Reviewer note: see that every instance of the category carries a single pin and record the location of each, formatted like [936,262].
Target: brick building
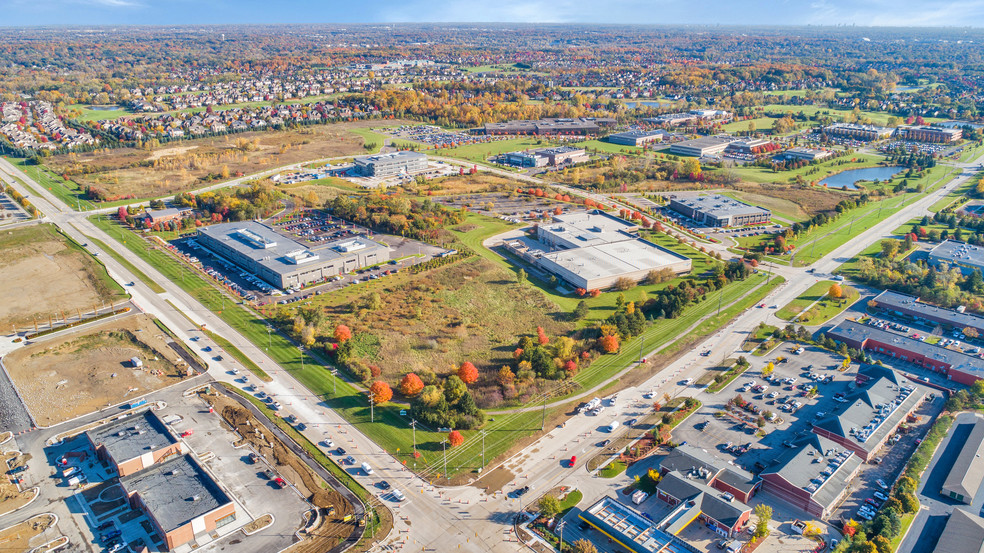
[134,443]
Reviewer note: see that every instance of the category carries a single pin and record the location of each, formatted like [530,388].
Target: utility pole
[334,382]
[483,448]
[543,416]
[372,406]
[413,425]
[720,298]
[561,528]
[444,446]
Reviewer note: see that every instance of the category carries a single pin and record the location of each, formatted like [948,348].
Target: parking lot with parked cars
[757,419]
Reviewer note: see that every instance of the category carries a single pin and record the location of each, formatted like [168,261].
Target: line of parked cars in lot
[869,508]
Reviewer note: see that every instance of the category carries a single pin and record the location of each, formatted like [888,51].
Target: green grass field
[608,147]
[762,124]
[809,173]
[89,114]
[65,190]
[826,308]
[480,152]
[129,266]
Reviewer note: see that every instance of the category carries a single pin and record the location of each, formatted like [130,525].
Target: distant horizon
[941,14]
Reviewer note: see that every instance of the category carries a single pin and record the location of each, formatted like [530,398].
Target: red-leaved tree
[455,438]
[411,385]
[381,392]
[541,336]
[467,372]
[343,333]
[608,344]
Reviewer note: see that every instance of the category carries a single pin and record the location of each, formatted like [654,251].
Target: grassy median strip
[157,288]
[239,356]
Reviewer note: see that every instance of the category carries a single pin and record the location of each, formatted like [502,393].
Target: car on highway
[340,451]
[630,422]
[207,349]
[383,485]
[328,444]
[522,491]
[398,495]
[349,460]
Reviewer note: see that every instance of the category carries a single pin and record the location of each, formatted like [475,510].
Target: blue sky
[774,12]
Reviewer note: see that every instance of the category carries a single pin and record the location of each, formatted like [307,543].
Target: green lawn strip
[89,114]
[906,520]
[907,227]
[157,288]
[971,152]
[480,152]
[729,376]
[370,137]
[239,356]
[608,147]
[570,501]
[813,294]
[762,124]
[67,191]
[957,193]
[613,469]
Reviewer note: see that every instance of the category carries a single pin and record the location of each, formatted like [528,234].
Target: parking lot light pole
[413,425]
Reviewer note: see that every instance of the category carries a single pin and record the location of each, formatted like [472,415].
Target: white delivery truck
[613,426]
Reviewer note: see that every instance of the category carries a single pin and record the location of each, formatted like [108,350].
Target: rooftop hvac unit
[121,433]
[175,472]
[196,498]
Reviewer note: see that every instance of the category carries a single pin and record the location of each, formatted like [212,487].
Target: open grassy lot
[480,152]
[608,147]
[815,306]
[186,165]
[88,114]
[69,192]
[810,173]
[472,310]
[761,124]
[46,274]
[78,373]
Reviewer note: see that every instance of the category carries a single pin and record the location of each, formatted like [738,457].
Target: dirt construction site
[68,376]
[46,275]
[331,528]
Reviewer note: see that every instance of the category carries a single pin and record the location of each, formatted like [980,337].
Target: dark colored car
[383,485]
[522,491]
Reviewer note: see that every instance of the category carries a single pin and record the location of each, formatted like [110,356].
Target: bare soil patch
[171,169]
[26,535]
[46,275]
[11,498]
[69,376]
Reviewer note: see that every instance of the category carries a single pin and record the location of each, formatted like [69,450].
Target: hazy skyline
[956,13]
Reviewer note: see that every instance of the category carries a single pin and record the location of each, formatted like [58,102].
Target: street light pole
[334,382]
[483,448]
[372,406]
[444,446]
[413,425]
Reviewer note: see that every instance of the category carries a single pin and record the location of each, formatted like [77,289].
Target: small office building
[695,500]
[133,443]
[180,499]
[637,138]
[967,473]
[715,210]
[935,135]
[903,305]
[388,165]
[807,154]
[813,475]
[864,133]
[631,529]
[963,533]
[700,147]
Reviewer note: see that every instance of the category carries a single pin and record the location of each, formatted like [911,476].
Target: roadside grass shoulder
[69,192]
[157,288]
[608,147]
[480,152]
[238,355]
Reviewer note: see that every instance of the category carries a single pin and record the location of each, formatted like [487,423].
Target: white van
[613,426]
[366,469]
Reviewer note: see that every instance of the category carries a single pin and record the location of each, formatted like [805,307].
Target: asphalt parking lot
[740,429]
